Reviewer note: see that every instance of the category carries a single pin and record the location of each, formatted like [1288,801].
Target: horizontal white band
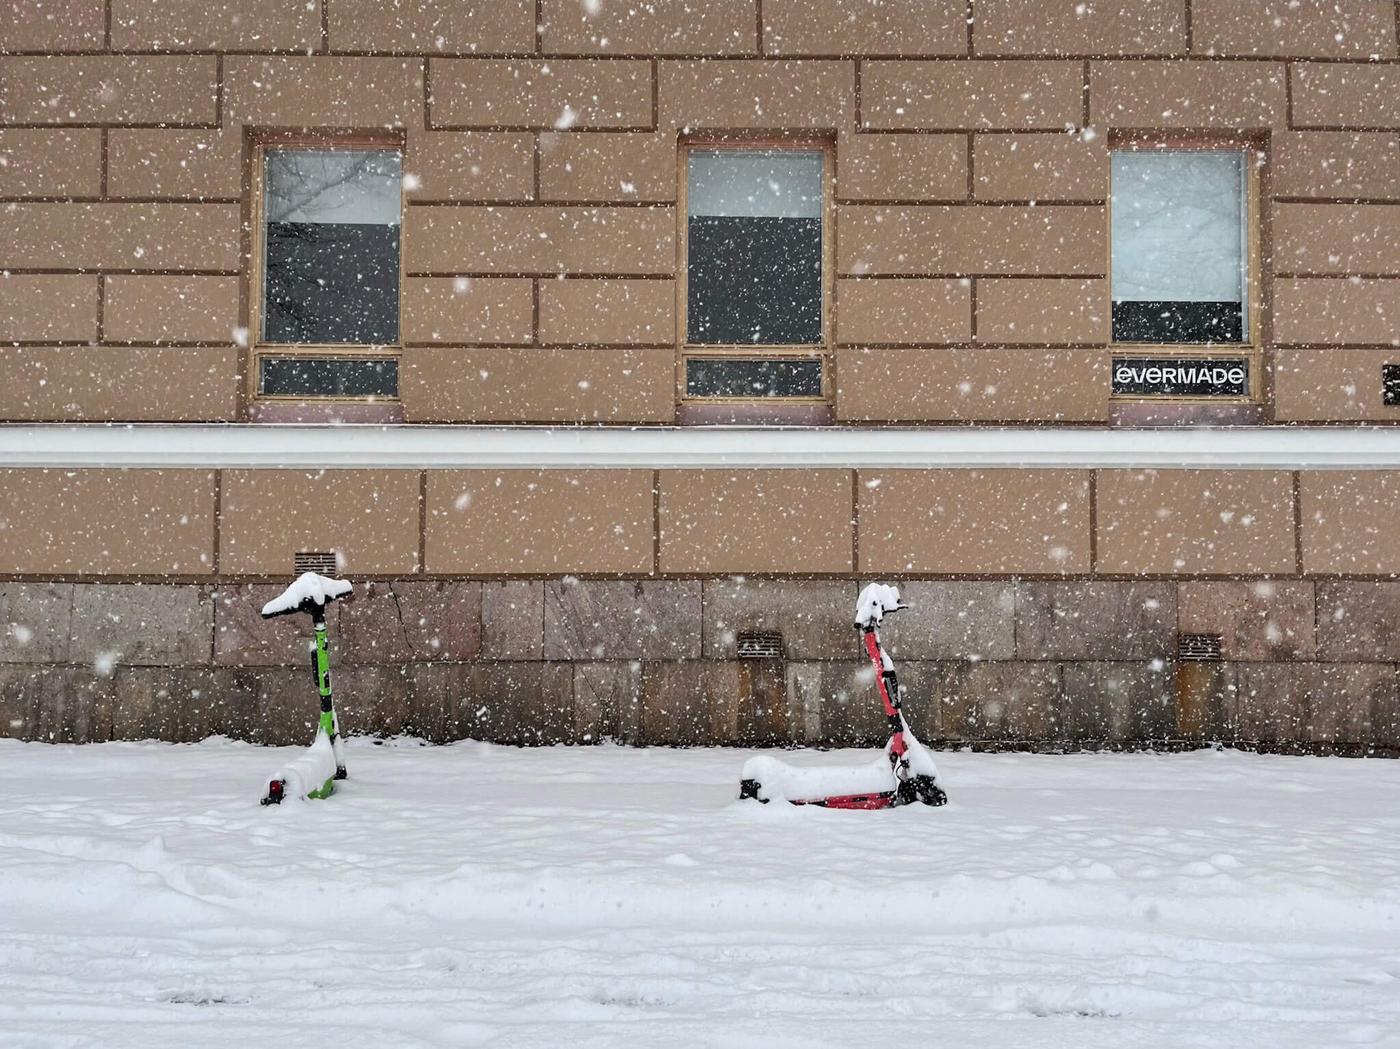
[148,445]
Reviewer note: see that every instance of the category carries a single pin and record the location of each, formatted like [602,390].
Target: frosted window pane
[742,184]
[1178,229]
[1179,246]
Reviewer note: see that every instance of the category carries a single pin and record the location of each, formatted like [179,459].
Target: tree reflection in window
[331,246]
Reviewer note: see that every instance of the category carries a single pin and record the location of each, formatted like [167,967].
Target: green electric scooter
[313,774]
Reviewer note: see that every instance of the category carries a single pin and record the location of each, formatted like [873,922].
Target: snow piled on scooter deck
[781,780]
[310,769]
[602,897]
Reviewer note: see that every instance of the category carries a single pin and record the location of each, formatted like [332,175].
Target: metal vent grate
[1198,648]
[322,562]
[760,644]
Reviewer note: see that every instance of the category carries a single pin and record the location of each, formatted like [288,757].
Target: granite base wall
[1308,665]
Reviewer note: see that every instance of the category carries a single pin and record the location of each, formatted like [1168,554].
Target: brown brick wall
[1078,524]
[544,148]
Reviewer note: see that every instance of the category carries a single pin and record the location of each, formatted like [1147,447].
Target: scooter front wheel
[927,790]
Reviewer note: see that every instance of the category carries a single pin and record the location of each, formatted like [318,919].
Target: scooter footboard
[776,780]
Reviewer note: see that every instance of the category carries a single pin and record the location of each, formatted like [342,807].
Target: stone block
[690,704]
[789,522]
[286,704]
[1257,621]
[1357,621]
[54,704]
[1348,517]
[1000,701]
[139,625]
[717,27]
[1043,310]
[1204,94]
[1346,94]
[1195,522]
[233,707]
[1324,239]
[512,620]
[497,93]
[176,704]
[953,620]
[373,700]
[435,691]
[412,620]
[1095,620]
[854,27]
[850,712]
[1064,27]
[607,701]
[813,616]
[922,685]
[36,622]
[522,703]
[1263,28]
[973,522]
[1349,703]
[1118,702]
[243,638]
[908,312]
[804,695]
[971,95]
[1271,701]
[598,619]
[1385,720]
[1316,703]
[836,704]
[527,704]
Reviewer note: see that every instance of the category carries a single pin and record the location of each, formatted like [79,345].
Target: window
[329,272]
[1180,246]
[755,273]
[748,377]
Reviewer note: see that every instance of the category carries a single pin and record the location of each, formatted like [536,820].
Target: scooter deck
[920,788]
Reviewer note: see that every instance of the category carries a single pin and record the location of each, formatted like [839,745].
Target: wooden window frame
[822,351]
[1252,346]
[327,141]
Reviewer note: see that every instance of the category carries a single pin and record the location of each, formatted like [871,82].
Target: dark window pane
[739,377]
[1179,246]
[754,247]
[331,247]
[328,377]
[1178,322]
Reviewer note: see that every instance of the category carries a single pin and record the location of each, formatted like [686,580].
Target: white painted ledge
[527,447]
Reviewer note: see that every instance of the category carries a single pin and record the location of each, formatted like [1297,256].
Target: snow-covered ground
[475,895]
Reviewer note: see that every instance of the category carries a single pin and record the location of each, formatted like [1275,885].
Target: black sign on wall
[1390,379]
[1180,377]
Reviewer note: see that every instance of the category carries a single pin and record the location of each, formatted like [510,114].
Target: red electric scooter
[904,774]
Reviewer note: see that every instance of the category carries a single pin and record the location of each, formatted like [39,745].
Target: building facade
[608,346]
